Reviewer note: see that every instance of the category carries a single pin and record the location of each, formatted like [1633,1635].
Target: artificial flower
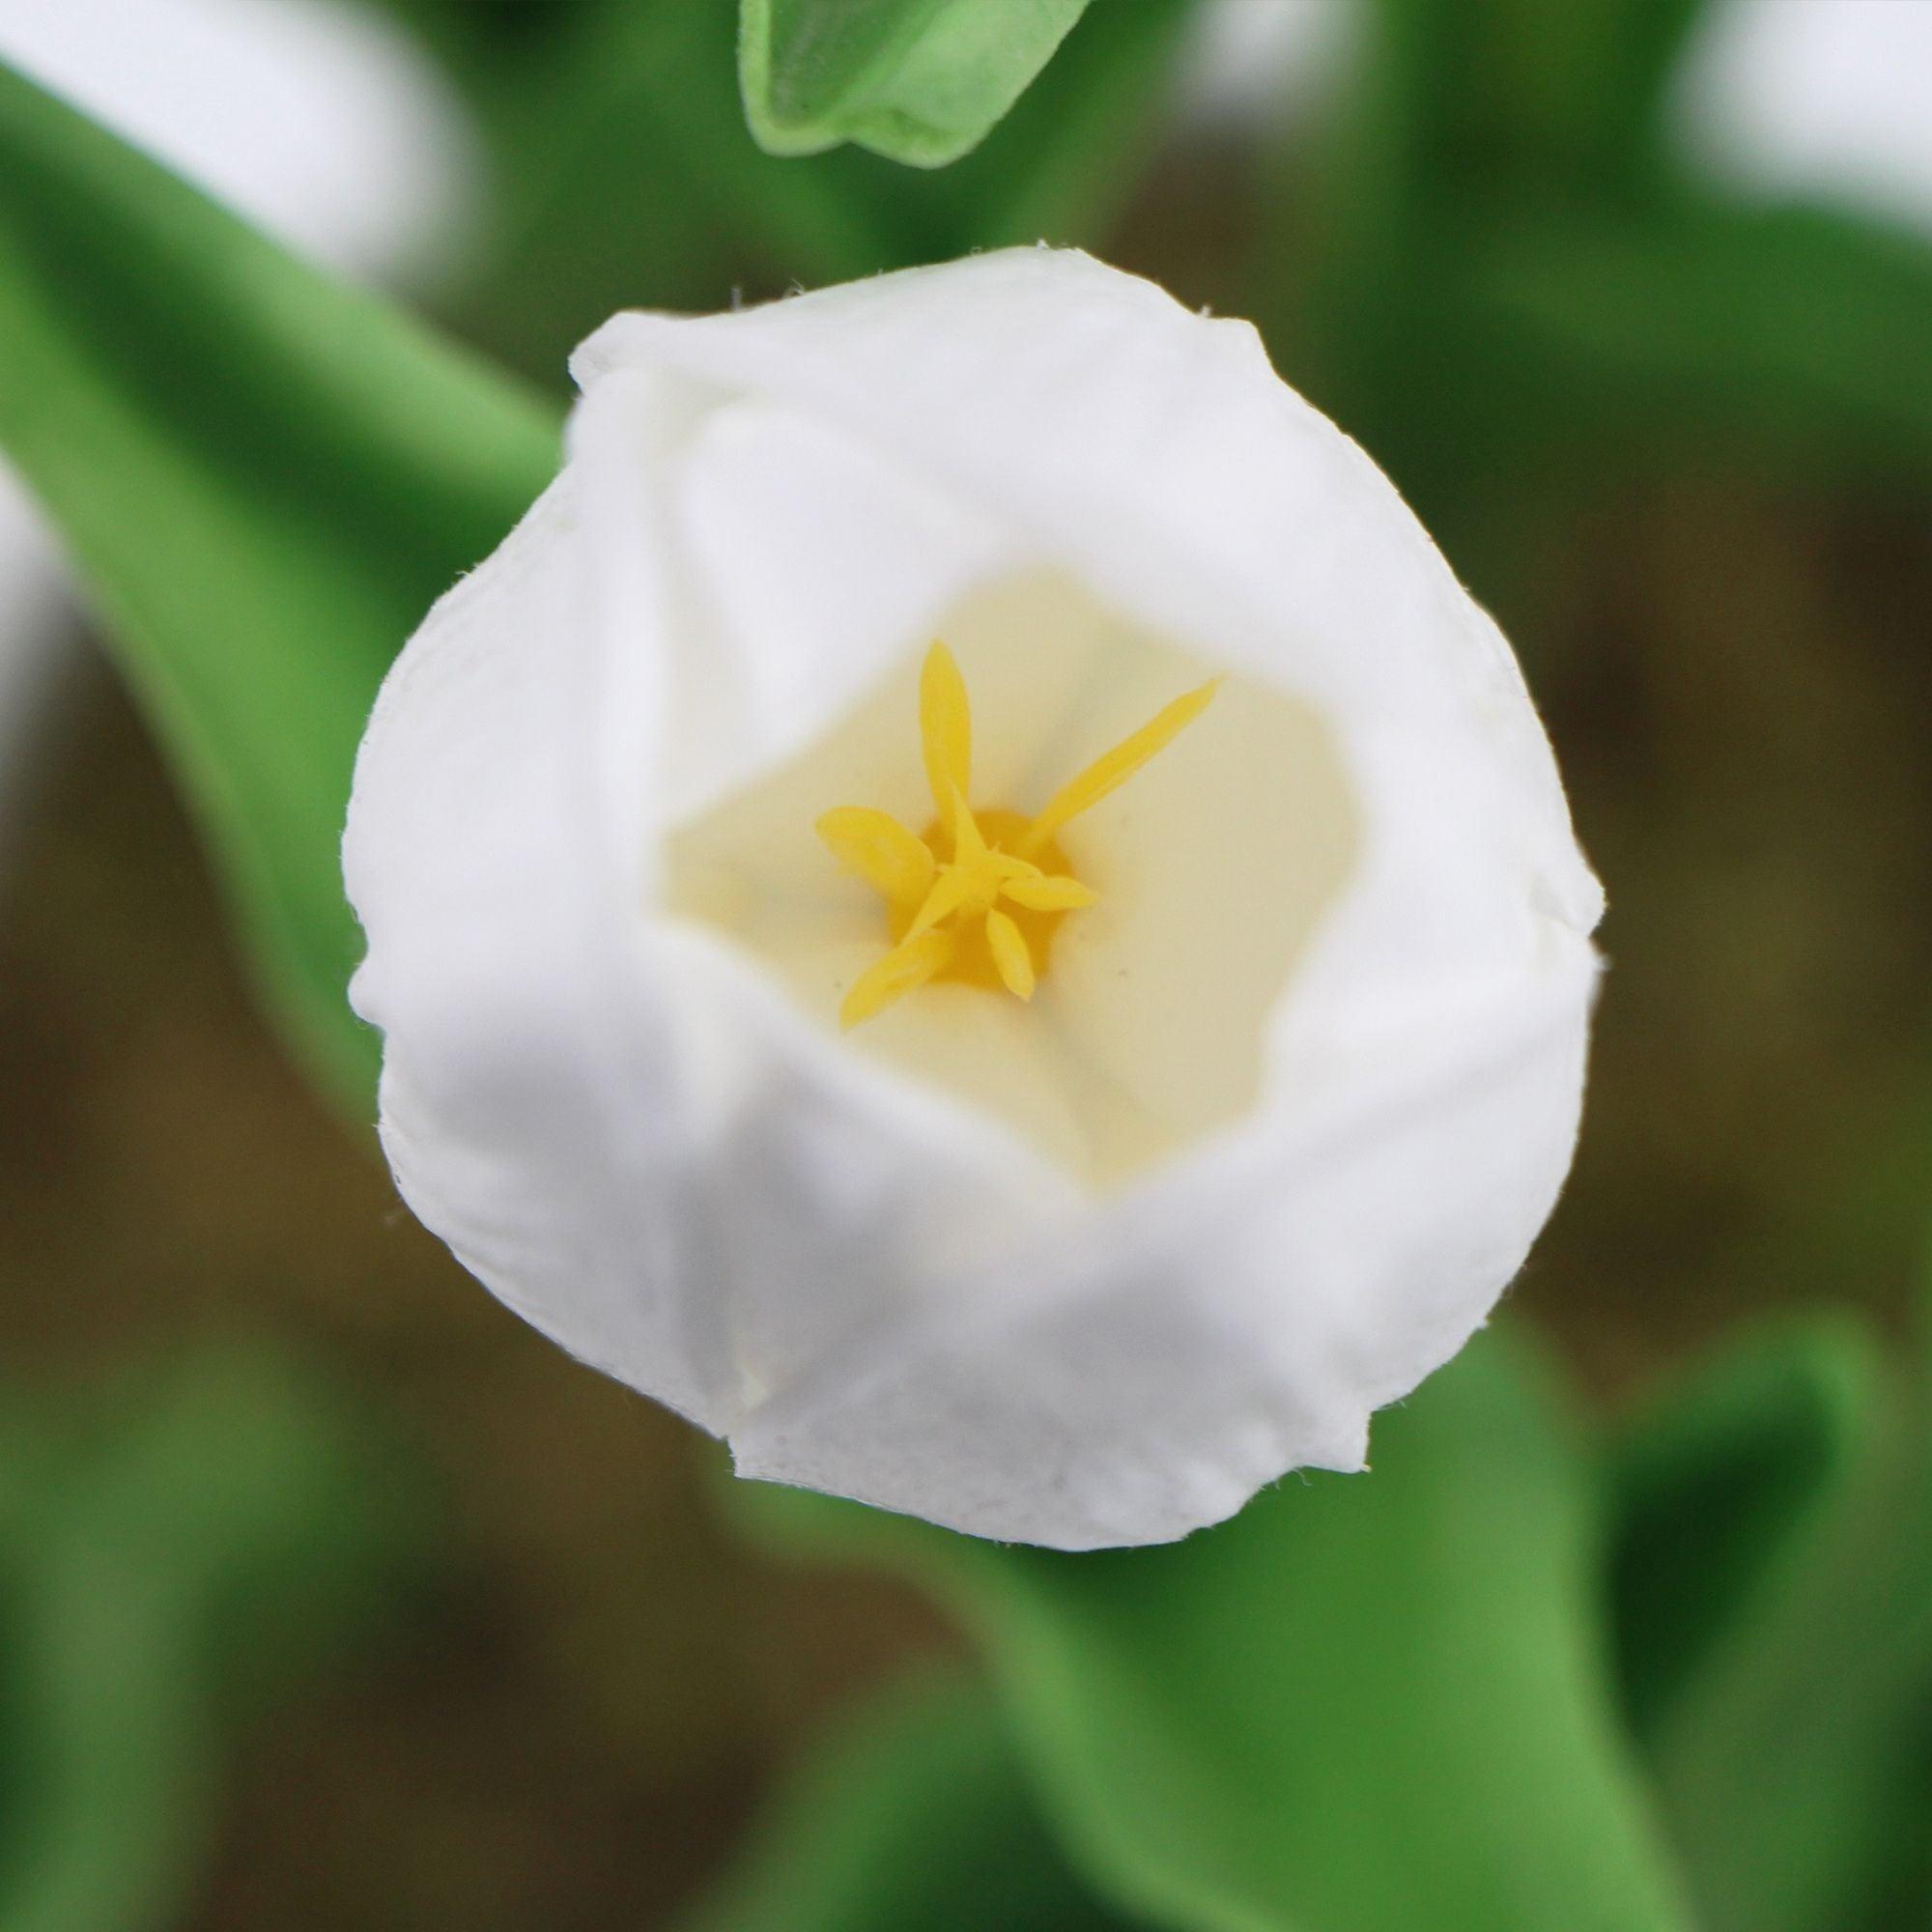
[1003,588]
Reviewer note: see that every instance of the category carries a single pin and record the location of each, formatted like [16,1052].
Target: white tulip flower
[1238,1055]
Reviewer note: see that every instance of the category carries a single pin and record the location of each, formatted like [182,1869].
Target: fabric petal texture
[1229,1131]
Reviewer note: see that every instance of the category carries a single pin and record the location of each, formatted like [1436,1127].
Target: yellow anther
[1113,769]
[955,885]
[910,963]
[876,846]
[986,913]
[1009,953]
[1044,895]
[946,732]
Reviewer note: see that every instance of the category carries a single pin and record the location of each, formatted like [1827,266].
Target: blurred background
[412,1621]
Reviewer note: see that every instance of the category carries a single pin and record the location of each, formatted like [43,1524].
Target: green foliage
[1379,1702]
[1368,1702]
[1716,1490]
[1494,271]
[1799,336]
[169,1564]
[628,179]
[920,81]
[915,1815]
[264,478]
[1470,87]
[1063,163]
[1774,1581]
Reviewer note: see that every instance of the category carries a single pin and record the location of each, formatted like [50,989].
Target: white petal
[530,1095]
[865,1276]
[616,1124]
[1238,1320]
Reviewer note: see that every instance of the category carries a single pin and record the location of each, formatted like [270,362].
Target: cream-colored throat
[1086,937]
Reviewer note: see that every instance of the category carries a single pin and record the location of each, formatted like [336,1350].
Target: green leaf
[1719,1488]
[1509,87]
[915,1815]
[1778,1547]
[1800,336]
[1367,1704]
[1063,163]
[263,479]
[626,179]
[618,134]
[1457,107]
[214,1534]
[920,81]
[1516,336]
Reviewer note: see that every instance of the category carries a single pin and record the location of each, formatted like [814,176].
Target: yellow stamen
[987,913]
[910,963]
[1009,953]
[955,887]
[968,842]
[945,730]
[1044,895]
[876,846]
[1113,769]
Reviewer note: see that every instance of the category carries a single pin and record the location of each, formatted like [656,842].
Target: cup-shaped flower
[968,903]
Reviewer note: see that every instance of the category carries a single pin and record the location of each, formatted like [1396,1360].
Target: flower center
[986,913]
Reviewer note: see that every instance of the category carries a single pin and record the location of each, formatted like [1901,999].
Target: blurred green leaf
[1367,1704]
[467,35]
[920,81]
[214,1534]
[1720,1489]
[1508,292]
[624,177]
[1072,150]
[1802,336]
[1454,89]
[1519,353]
[915,1815]
[264,478]
[1453,110]
[1776,1551]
